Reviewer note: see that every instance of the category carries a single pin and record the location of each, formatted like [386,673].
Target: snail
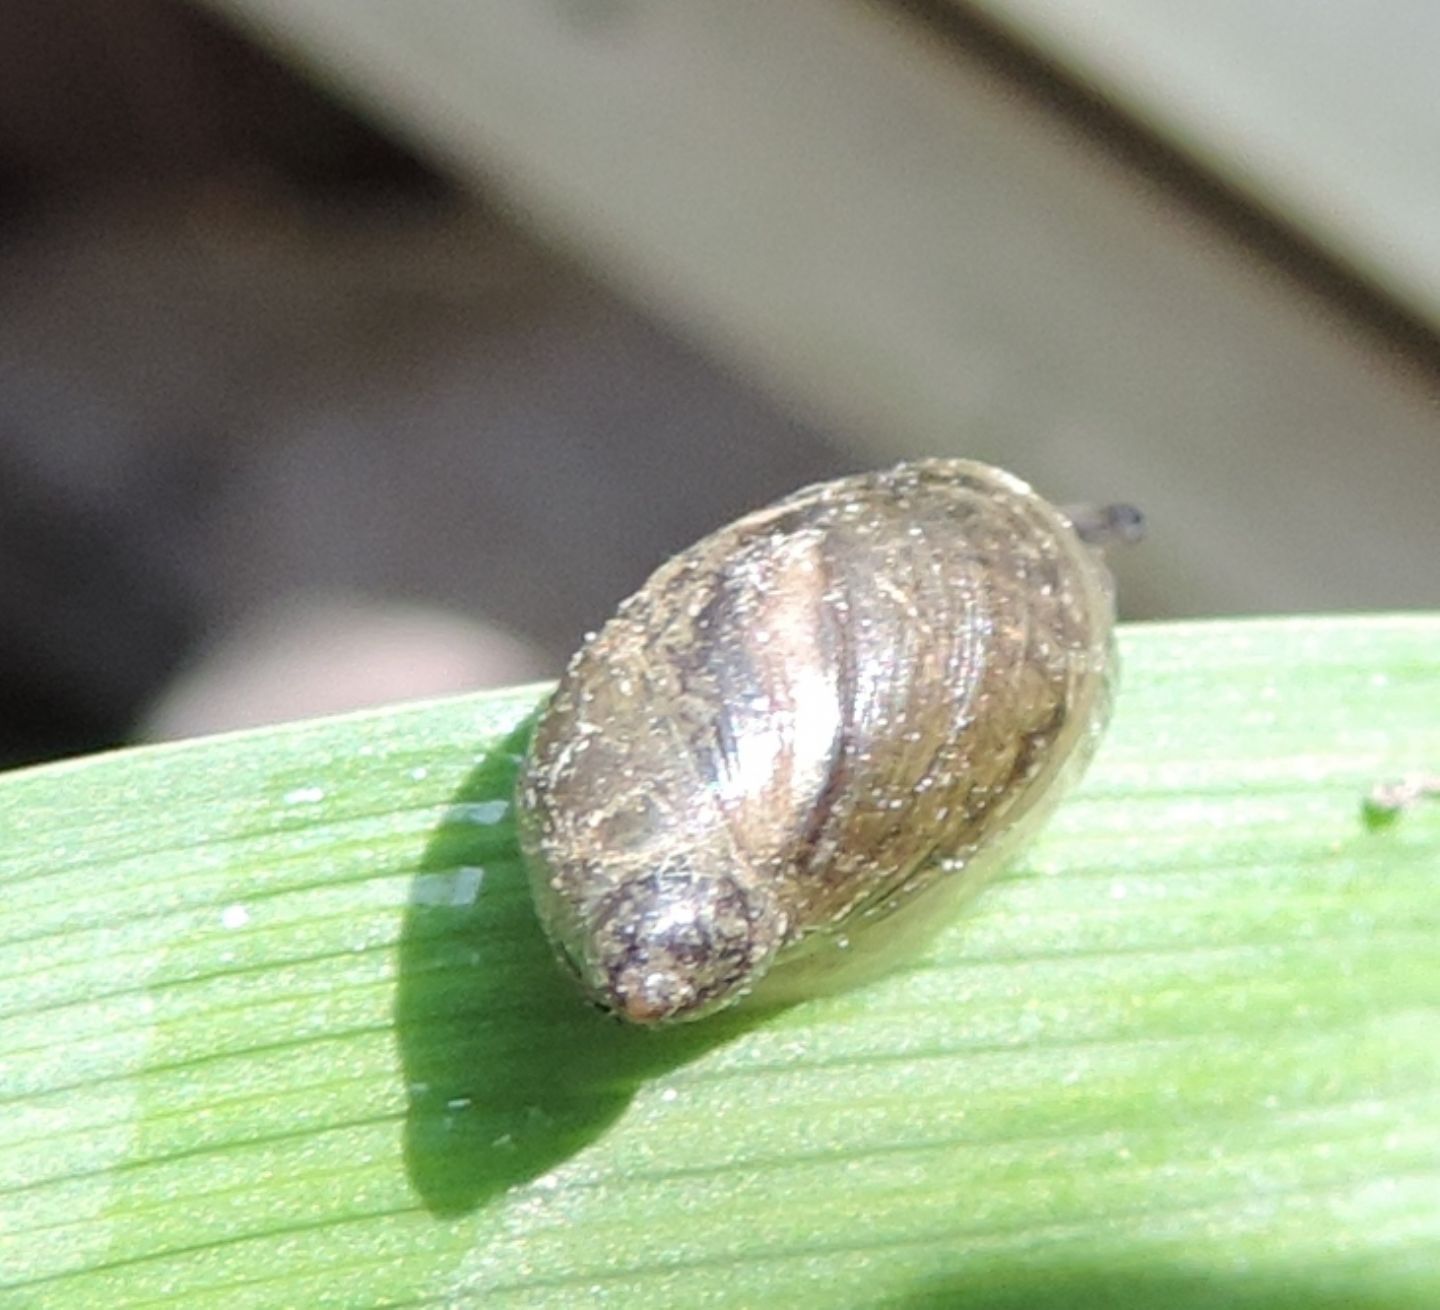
[806,732]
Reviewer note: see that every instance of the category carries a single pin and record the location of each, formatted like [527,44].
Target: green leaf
[278,1028]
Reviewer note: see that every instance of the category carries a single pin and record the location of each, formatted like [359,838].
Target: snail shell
[806,726]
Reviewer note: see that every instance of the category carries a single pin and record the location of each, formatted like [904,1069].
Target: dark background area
[292,420]
[252,350]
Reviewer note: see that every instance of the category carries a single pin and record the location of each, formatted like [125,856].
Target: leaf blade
[278,1028]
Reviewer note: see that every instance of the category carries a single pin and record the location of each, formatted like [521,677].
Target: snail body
[809,728]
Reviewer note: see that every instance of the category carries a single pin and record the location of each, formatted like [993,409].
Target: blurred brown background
[351,350]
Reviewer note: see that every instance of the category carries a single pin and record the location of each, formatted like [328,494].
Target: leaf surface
[278,1029]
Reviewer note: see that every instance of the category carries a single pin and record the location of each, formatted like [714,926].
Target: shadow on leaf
[508,1071]
[1040,1286]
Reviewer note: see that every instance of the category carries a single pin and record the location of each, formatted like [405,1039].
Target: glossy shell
[810,727]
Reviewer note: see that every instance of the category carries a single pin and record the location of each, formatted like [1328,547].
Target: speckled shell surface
[800,726]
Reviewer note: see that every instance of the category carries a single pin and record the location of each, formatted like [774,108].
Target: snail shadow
[508,1070]
[1037,1285]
